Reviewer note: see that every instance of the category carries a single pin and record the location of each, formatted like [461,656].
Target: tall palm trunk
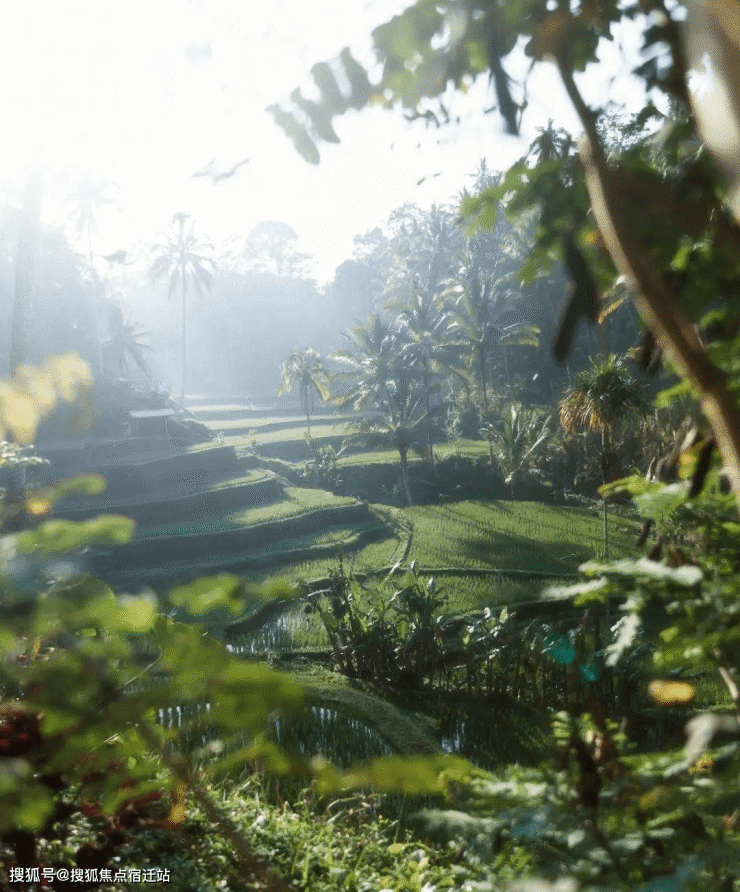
[184,335]
[403,452]
[97,298]
[304,400]
[24,268]
[605,447]
[428,408]
[484,391]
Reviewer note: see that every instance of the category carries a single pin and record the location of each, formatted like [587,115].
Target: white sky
[110,87]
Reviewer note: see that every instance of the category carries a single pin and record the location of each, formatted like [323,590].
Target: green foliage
[392,641]
[322,471]
[305,369]
[521,441]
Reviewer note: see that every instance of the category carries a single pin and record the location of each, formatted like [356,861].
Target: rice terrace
[370,447]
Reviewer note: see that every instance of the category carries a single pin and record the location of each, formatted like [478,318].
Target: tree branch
[660,310]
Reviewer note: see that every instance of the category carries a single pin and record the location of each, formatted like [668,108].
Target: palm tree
[90,195]
[601,399]
[520,441]
[426,345]
[395,417]
[551,142]
[384,385]
[184,259]
[125,340]
[485,311]
[372,347]
[305,369]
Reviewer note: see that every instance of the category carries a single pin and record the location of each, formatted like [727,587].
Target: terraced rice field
[297,501]
[512,536]
[481,553]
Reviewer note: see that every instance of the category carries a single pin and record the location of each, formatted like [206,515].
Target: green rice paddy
[296,501]
[482,553]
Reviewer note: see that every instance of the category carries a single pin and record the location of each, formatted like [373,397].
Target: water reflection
[491,736]
[290,630]
[326,730]
[332,732]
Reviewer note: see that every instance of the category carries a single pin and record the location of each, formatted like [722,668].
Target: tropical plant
[369,356]
[183,259]
[422,250]
[397,421]
[125,340]
[426,344]
[521,441]
[305,370]
[602,399]
[321,471]
[90,195]
[394,641]
[271,244]
[485,316]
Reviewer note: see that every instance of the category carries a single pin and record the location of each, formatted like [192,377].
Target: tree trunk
[405,476]
[304,400]
[656,304]
[24,270]
[184,336]
[605,448]
[482,362]
[429,429]
[97,299]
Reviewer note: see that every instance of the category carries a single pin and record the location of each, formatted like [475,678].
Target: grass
[297,501]
[512,536]
[287,421]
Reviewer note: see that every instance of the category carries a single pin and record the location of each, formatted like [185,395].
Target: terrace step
[195,506]
[136,476]
[167,571]
[226,545]
[241,425]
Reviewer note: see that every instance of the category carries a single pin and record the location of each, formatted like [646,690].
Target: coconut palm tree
[427,345]
[485,317]
[184,259]
[371,349]
[601,399]
[395,417]
[125,340]
[386,386]
[91,194]
[521,442]
[305,369]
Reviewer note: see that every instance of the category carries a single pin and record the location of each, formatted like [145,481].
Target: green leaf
[671,394]
[660,503]
[635,485]
[643,568]
[135,615]
[32,811]
[583,592]
[210,593]
[86,484]
[65,535]
[627,630]
[403,774]
[269,755]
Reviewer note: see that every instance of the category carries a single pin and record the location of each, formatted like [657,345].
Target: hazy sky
[148,93]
